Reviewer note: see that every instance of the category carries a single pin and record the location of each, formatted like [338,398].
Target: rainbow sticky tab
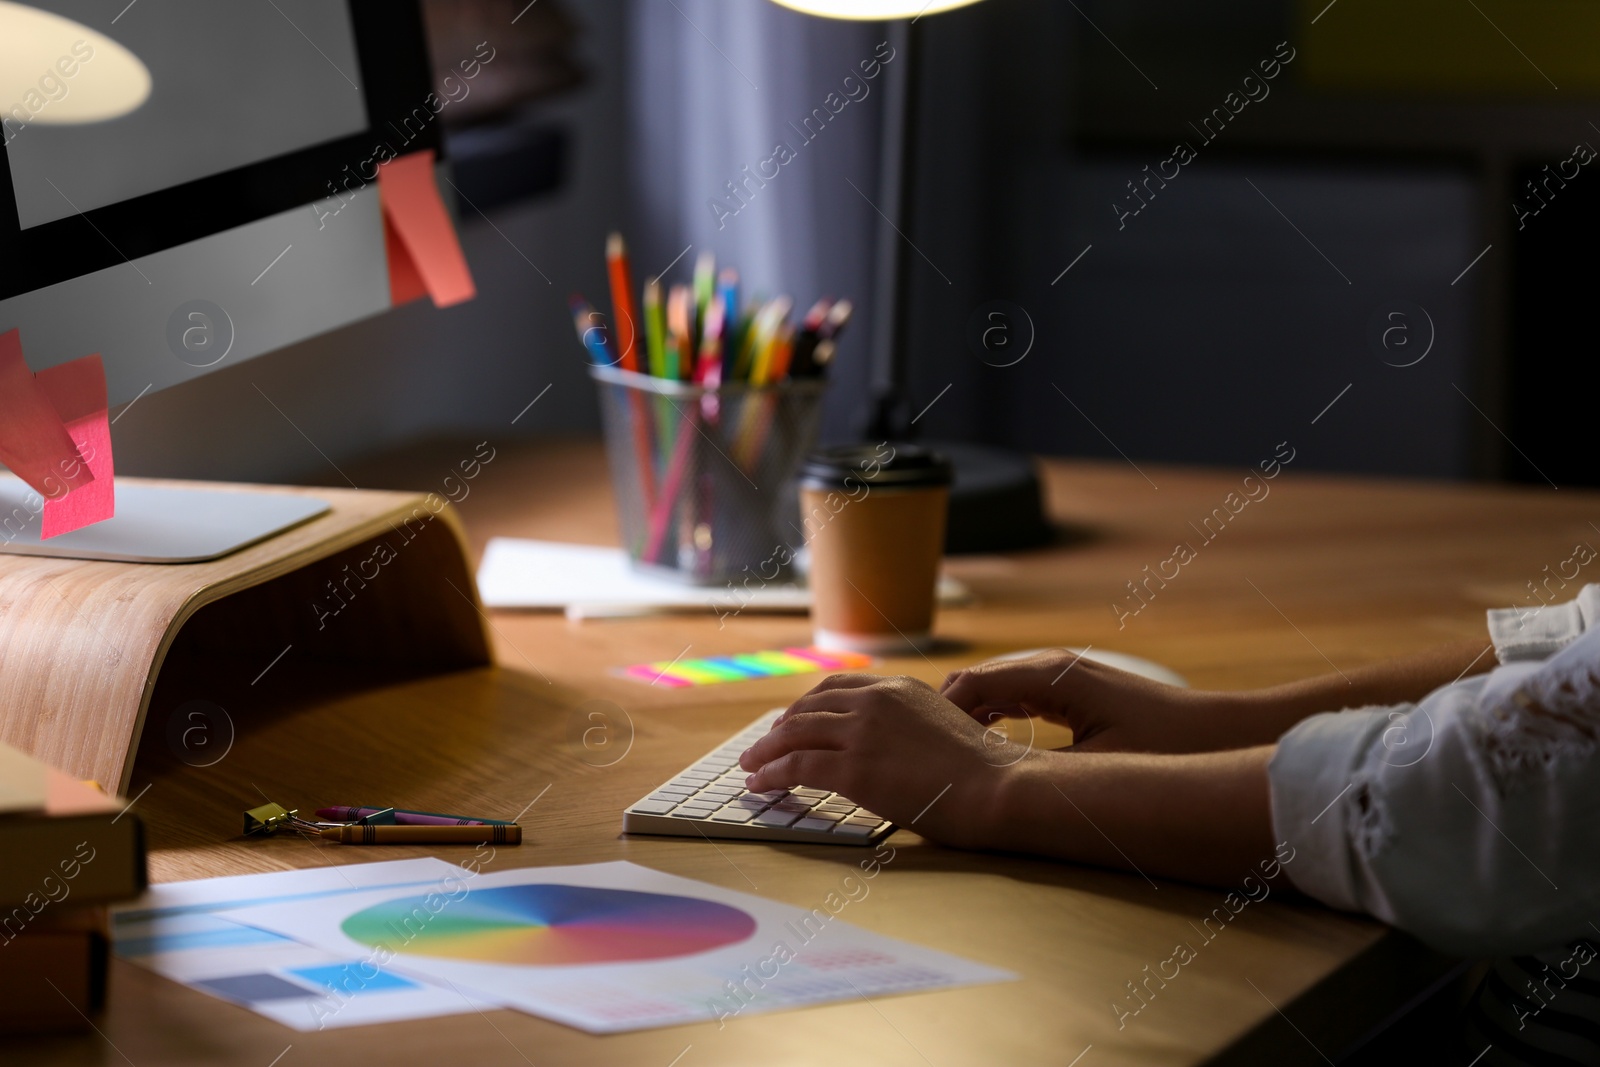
[778,663]
[832,661]
[713,670]
[734,664]
[675,675]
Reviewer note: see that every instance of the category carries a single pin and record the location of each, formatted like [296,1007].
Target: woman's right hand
[1108,710]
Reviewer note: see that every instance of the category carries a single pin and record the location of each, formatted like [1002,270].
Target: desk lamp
[996,500]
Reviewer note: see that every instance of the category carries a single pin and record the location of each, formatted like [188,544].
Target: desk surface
[1356,570]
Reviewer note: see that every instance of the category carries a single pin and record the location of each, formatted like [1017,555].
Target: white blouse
[1471,819]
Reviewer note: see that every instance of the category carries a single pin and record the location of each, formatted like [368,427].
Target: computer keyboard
[708,799]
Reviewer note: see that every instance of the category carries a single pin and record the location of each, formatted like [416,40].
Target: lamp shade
[55,71]
[873,10]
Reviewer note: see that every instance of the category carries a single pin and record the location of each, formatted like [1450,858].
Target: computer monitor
[185,185]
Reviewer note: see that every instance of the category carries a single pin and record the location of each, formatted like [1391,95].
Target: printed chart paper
[612,947]
[179,931]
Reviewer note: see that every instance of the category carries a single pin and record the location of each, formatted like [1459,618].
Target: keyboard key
[777,817]
[654,807]
[712,791]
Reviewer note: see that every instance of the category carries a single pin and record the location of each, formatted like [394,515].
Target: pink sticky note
[77,391]
[405,284]
[34,442]
[426,247]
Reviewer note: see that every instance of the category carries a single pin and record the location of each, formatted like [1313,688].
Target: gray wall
[1206,329]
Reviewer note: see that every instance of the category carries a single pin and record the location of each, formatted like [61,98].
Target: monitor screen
[173,162]
[230,85]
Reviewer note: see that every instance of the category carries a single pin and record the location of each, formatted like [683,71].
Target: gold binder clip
[269,818]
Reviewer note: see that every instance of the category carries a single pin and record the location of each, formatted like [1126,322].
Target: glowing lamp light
[873,10]
[58,72]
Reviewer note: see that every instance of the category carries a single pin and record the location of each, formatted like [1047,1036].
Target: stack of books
[66,851]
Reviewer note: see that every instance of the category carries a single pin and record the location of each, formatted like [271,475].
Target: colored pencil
[406,818]
[782,354]
[661,512]
[805,343]
[728,287]
[708,367]
[622,301]
[743,350]
[655,327]
[424,835]
[680,328]
[773,316]
[591,326]
[705,283]
[627,344]
[708,375]
[838,318]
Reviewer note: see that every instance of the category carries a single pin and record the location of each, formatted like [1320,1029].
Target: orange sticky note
[424,252]
[405,284]
[34,441]
[77,391]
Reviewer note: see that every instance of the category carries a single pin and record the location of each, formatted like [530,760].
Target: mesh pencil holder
[704,478]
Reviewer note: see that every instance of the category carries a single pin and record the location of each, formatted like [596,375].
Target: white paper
[587,579]
[178,930]
[734,954]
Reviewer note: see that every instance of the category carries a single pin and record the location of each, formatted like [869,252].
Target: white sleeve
[1471,820]
[1539,631]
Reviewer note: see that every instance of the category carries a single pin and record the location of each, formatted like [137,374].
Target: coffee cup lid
[887,464]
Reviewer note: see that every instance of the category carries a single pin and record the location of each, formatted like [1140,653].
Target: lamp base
[996,501]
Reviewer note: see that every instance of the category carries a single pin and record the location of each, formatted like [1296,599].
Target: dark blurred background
[1352,261]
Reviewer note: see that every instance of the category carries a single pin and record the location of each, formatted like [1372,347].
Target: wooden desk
[1363,569]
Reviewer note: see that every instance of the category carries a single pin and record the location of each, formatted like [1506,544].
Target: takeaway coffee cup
[874,516]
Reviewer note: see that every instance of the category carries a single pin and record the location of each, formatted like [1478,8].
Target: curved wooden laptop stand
[383,578]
